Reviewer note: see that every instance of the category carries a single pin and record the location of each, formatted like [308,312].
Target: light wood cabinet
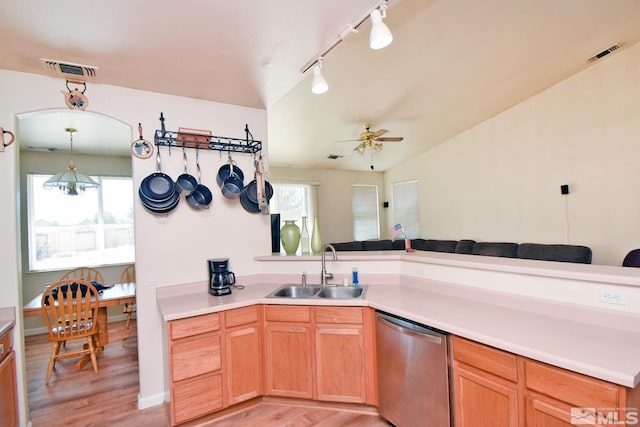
[243,354]
[8,385]
[195,367]
[485,386]
[496,388]
[323,353]
[289,357]
[340,354]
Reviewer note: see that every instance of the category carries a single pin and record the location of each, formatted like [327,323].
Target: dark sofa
[536,251]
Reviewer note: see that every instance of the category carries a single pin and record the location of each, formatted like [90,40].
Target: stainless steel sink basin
[314,291]
[340,292]
[295,291]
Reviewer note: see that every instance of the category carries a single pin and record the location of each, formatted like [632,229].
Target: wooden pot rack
[195,138]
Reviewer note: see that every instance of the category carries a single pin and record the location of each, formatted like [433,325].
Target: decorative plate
[142,149]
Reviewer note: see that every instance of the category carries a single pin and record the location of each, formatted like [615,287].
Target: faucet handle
[304,278]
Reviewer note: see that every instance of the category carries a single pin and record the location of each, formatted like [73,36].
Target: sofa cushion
[377,245]
[502,249]
[440,245]
[561,253]
[465,246]
[398,244]
[418,244]
[348,246]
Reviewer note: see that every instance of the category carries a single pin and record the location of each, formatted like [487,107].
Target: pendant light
[70,182]
[380,35]
[319,84]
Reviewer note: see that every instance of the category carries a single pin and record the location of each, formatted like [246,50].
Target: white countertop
[580,345]
[7,319]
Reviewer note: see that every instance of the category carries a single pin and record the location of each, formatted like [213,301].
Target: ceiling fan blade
[347,140]
[379,133]
[390,139]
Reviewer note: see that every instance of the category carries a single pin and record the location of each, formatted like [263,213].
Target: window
[293,201]
[405,207]
[92,229]
[364,205]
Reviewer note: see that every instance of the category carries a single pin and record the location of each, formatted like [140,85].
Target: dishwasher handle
[411,329]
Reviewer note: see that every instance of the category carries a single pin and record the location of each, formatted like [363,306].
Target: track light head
[319,84]
[380,35]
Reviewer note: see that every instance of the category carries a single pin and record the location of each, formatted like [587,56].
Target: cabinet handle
[1,348]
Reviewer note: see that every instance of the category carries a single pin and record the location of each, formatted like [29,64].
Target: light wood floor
[83,398]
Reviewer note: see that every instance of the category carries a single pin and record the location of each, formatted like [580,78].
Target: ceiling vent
[604,53]
[69,70]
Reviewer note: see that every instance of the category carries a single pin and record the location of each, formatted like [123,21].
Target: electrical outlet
[151,278]
[421,271]
[612,297]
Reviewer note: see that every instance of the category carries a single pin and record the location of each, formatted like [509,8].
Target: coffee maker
[220,279]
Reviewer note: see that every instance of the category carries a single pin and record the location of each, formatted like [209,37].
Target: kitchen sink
[317,292]
[295,291]
[340,292]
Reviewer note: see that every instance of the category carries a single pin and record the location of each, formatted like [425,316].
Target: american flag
[396,231]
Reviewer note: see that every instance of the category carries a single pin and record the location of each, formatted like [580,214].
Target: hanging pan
[157,187]
[201,196]
[185,183]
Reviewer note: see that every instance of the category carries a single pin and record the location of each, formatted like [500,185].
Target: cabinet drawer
[195,356]
[194,325]
[351,315]
[6,344]
[287,313]
[196,398]
[489,359]
[570,387]
[241,316]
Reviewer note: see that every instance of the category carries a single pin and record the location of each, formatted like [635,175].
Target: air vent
[604,53]
[68,69]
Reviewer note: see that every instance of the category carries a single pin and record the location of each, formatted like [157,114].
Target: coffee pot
[220,278]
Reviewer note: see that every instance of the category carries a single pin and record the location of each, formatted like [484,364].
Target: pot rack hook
[77,82]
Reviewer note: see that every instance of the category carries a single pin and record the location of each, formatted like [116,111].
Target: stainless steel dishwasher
[413,373]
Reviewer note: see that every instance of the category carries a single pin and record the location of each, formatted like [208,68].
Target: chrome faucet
[324,275]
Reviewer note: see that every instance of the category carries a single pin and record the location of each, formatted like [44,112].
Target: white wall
[169,250]
[500,181]
[334,194]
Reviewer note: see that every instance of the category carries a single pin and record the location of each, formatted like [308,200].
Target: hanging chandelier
[70,182]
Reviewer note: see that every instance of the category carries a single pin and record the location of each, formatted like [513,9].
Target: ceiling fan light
[319,84]
[380,35]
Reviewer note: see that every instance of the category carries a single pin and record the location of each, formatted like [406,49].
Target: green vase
[290,236]
[304,237]
[316,240]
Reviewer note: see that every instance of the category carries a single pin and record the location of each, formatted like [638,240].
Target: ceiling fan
[373,140]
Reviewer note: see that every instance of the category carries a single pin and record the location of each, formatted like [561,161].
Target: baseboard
[154,400]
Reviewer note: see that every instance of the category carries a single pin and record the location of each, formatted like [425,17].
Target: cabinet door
[243,363]
[196,397]
[340,363]
[8,392]
[545,414]
[483,400]
[289,360]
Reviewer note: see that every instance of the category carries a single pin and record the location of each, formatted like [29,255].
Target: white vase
[304,238]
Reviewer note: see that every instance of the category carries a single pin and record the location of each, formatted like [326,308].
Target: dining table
[117,294]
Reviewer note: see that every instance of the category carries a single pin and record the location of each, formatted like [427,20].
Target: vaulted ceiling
[452,64]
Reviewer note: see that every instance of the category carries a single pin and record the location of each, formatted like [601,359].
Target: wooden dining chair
[128,275]
[85,273]
[70,311]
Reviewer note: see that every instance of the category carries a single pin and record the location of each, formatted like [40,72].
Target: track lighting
[380,35]
[319,84]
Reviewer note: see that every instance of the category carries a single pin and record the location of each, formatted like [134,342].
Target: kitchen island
[581,338]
